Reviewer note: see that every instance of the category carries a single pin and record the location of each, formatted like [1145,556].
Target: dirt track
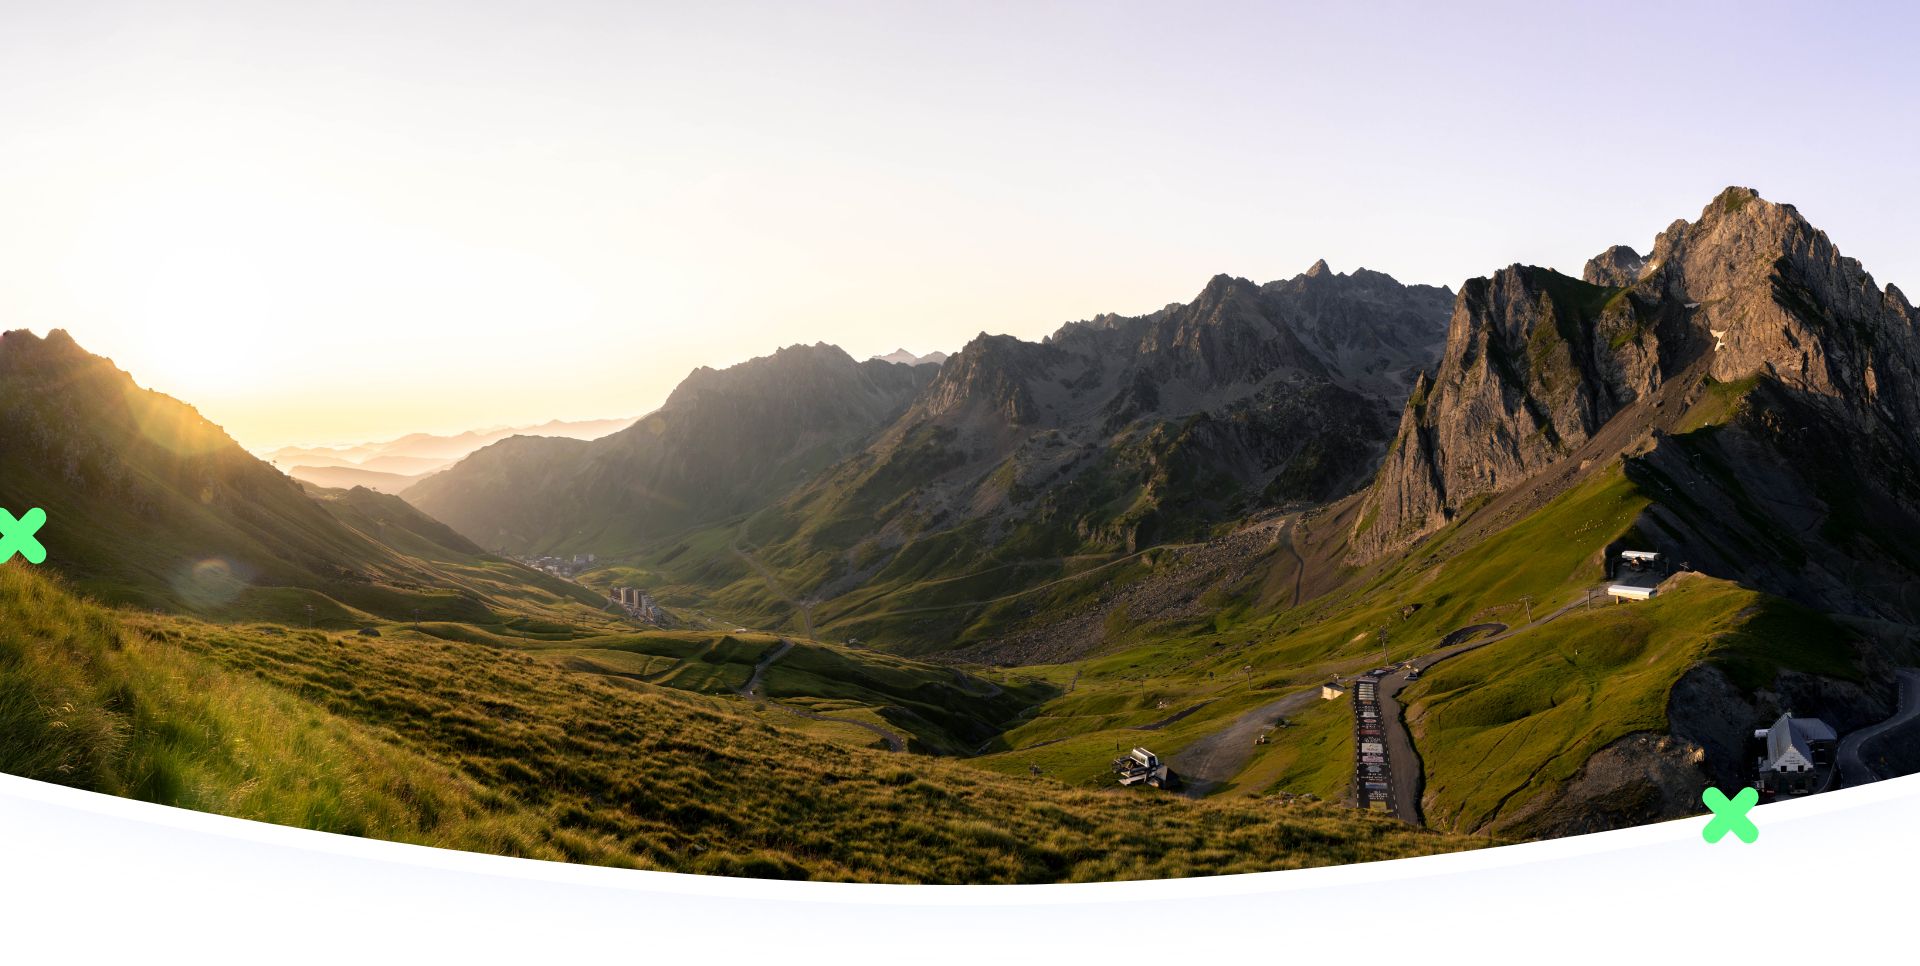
[1213,761]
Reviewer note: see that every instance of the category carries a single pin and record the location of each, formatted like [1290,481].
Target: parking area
[1372,773]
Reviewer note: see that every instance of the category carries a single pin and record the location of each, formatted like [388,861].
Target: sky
[348,221]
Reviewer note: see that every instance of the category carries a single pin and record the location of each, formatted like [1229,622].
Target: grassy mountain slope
[467,746]
[151,505]
[1572,419]
[1503,732]
[1502,726]
[934,708]
[725,442]
[1238,658]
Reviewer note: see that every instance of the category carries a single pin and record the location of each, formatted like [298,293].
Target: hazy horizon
[351,223]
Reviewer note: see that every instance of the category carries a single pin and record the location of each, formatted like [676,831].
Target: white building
[1795,747]
[1638,576]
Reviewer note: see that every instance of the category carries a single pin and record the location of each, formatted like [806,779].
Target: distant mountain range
[396,464]
[1118,433]
[348,477]
[1113,433]
[906,358]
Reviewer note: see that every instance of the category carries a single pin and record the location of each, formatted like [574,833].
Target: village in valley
[631,601]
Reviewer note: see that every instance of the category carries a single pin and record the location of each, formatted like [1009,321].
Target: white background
[91,878]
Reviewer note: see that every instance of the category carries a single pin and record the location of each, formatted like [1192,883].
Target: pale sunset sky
[345,221]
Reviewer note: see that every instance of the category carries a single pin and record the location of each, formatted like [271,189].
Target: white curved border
[91,875]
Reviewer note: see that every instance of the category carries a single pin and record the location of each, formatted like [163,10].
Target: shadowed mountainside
[727,441]
[1117,434]
[150,504]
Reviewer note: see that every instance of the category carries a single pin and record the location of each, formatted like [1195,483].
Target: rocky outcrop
[1641,778]
[1536,363]
[989,382]
[1652,777]
[1617,267]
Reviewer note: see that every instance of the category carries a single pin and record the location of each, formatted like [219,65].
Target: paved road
[752,689]
[1853,769]
[752,686]
[1213,761]
[1403,760]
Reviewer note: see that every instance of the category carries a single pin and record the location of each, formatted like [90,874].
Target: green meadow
[418,738]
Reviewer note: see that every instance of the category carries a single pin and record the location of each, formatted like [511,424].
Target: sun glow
[217,280]
[237,291]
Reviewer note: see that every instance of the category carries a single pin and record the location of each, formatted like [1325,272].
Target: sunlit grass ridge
[466,746]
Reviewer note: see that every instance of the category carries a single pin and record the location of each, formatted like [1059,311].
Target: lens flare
[209,583]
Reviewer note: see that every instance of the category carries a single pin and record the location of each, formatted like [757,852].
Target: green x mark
[1730,815]
[16,536]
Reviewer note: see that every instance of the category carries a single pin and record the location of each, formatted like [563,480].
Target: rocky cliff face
[1122,431]
[1537,363]
[1781,301]
[726,441]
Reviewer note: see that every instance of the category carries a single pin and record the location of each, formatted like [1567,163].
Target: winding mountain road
[1299,561]
[752,686]
[1853,769]
[1409,776]
[753,690]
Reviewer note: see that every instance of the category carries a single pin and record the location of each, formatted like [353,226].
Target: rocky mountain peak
[1767,293]
[790,365]
[1536,362]
[1318,269]
[55,346]
[1616,267]
[990,373]
[1221,288]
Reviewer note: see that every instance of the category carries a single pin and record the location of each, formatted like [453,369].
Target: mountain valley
[914,606]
